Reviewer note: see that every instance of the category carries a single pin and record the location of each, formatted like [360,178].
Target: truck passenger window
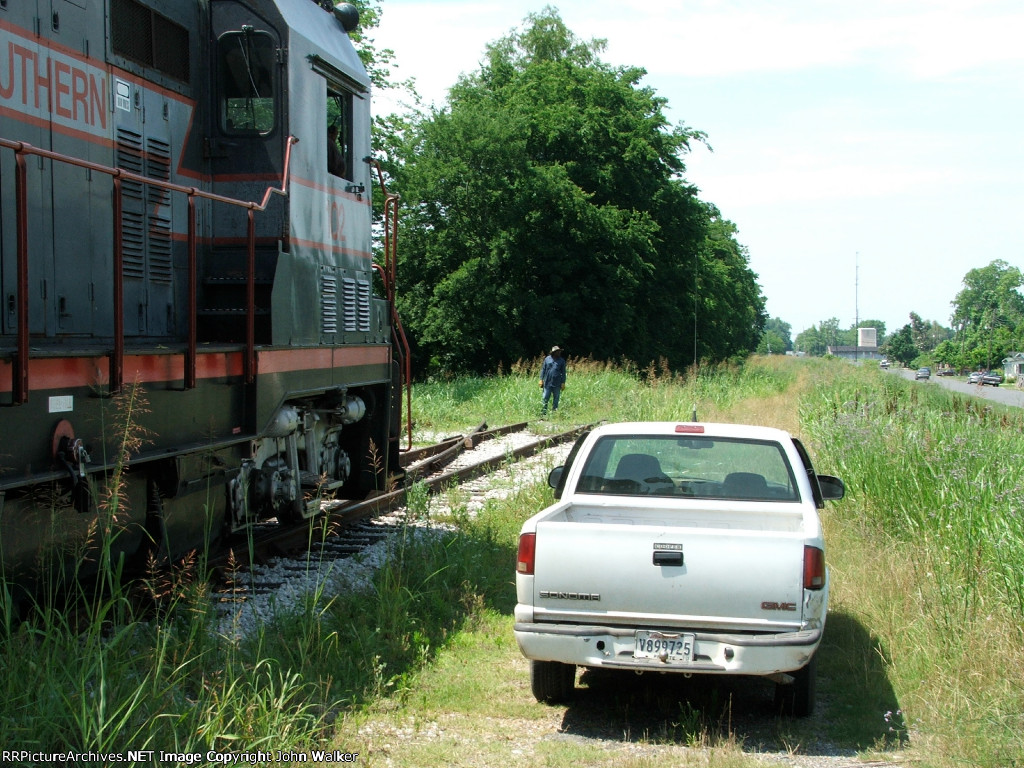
[247,74]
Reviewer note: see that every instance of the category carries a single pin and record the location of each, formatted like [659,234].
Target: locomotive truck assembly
[176,252]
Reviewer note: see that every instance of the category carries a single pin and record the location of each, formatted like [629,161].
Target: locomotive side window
[339,133]
[248,97]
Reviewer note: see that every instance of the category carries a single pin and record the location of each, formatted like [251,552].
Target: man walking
[552,378]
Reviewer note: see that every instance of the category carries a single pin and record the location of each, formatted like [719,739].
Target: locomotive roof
[313,30]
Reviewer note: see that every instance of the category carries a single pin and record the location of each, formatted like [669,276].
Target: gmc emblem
[768,605]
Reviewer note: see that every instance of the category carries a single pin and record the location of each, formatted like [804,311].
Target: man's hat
[556,348]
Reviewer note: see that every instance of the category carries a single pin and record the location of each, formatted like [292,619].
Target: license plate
[665,646]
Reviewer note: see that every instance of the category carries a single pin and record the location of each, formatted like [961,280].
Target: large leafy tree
[900,346]
[988,314]
[545,204]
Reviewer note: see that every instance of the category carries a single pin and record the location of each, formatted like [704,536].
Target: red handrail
[388,273]
[20,389]
[20,370]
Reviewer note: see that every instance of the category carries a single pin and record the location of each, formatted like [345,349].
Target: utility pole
[856,308]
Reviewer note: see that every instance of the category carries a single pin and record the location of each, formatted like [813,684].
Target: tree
[900,346]
[771,344]
[811,342]
[950,354]
[732,310]
[782,332]
[989,313]
[830,333]
[551,208]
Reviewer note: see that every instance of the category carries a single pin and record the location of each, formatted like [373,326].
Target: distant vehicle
[883,363]
[923,373]
[945,372]
[992,378]
[974,377]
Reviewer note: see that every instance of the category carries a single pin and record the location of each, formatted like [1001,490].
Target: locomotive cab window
[248,80]
[339,133]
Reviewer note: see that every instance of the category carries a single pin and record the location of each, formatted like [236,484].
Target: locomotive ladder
[20,390]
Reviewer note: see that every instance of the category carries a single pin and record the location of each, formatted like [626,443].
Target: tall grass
[929,466]
[922,651]
[928,553]
[595,391]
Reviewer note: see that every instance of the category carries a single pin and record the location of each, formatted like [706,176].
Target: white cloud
[888,128]
[922,40]
[436,42]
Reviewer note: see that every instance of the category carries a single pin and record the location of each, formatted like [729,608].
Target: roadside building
[866,349]
[1013,366]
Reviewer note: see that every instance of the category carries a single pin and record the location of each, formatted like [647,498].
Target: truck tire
[797,699]
[552,682]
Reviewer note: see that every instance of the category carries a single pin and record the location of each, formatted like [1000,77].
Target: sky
[870,154]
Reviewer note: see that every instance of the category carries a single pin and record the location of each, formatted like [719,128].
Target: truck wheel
[552,682]
[797,698]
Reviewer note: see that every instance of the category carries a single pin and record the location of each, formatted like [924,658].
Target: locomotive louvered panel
[158,166]
[130,158]
[160,249]
[328,303]
[133,244]
[356,304]
[350,314]
[363,305]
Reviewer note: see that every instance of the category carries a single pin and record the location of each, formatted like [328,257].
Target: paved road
[1006,394]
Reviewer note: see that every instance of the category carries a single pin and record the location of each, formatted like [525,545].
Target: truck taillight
[527,548]
[814,568]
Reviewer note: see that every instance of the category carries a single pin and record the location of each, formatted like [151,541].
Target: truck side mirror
[832,488]
[555,476]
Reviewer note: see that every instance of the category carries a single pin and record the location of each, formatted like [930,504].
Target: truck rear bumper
[713,653]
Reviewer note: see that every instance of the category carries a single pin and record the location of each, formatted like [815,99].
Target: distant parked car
[923,373]
[992,378]
[974,377]
[945,372]
[883,363]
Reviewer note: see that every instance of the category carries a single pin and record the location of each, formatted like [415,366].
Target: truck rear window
[699,467]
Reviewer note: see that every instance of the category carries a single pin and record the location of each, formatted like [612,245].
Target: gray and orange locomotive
[177,252]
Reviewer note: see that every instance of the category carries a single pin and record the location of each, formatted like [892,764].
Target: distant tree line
[987,325]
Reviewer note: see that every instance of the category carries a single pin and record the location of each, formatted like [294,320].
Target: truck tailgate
[721,578]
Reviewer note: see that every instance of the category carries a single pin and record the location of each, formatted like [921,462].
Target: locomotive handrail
[20,377]
[388,274]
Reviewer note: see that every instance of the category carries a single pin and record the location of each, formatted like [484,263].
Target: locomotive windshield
[248,61]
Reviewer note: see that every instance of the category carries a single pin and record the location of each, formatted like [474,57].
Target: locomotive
[185,258]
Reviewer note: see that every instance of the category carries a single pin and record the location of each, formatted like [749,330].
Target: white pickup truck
[678,547]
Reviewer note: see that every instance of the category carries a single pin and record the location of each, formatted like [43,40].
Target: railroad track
[282,566]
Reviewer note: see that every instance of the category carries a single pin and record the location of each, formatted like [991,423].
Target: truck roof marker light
[692,429]
[527,553]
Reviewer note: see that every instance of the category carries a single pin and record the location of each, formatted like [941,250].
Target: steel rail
[347,513]
[342,513]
